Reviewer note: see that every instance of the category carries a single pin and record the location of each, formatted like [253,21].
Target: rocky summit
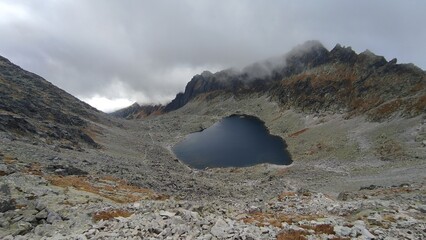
[354,125]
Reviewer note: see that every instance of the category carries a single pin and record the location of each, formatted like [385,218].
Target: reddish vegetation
[386,109]
[362,105]
[419,105]
[301,234]
[295,134]
[292,235]
[115,189]
[285,195]
[321,229]
[92,132]
[411,106]
[110,214]
[282,171]
[109,187]
[9,159]
[33,169]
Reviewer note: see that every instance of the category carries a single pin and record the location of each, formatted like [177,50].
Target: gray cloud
[148,50]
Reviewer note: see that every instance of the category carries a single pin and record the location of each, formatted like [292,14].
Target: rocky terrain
[33,107]
[358,170]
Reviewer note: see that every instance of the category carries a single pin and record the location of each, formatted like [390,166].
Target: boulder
[220,229]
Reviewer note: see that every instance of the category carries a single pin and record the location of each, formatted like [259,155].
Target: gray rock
[208,236]
[422,208]
[40,230]
[4,223]
[41,215]
[375,219]
[406,223]
[367,235]
[342,231]
[29,215]
[53,217]
[6,170]
[20,228]
[4,189]
[220,229]
[6,203]
[166,214]
[81,237]
[40,205]
[19,237]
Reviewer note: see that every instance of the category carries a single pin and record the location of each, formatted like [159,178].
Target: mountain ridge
[311,78]
[314,79]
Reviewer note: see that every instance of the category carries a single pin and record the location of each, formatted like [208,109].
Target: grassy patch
[292,235]
[109,187]
[110,214]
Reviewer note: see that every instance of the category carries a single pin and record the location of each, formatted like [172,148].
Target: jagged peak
[135,104]
[368,52]
[306,47]
[206,73]
[340,48]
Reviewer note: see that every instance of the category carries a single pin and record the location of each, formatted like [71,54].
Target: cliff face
[311,78]
[32,106]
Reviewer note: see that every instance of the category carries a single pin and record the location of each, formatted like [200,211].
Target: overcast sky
[113,53]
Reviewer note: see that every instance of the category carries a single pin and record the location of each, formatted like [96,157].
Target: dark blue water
[235,141]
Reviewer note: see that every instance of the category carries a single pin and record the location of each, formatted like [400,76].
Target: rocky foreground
[66,203]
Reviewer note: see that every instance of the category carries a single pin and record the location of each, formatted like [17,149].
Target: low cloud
[147,51]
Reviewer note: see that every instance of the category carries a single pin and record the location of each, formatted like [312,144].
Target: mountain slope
[313,79]
[32,106]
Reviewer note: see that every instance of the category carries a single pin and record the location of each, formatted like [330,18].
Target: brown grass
[33,169]
[9,159]
[20,206]
[301,234]
[292,235]
[418,87]
[389,150]
[92,132]
[110,214]
[285,195]
[362,105]
[321,229]
[386,109]
[295,134]
[109,187]
[419,105]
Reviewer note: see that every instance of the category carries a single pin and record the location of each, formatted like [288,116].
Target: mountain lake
[234,141]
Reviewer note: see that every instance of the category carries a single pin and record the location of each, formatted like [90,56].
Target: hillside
[33,107]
